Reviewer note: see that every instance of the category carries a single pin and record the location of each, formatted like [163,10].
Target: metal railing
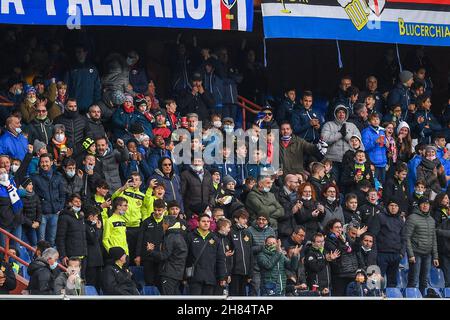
[247,106]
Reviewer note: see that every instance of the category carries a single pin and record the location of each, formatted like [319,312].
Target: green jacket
[420,234]
[273,267]
[292,157]
[258,202]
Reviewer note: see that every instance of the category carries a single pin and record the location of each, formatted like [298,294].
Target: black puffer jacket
[42,278]
[173,255]
[305,218]
[118,282]
[41,130]
[71,234]
[443,237]
[225,245]
[110,166]
[76,126]
[388,229]
[10,283]
[32,210]
[346,265]
[72,185]
[287,223]
[317,269]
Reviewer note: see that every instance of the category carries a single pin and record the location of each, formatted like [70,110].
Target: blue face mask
[70,173]
[54,265]
[18,130]
[76,209]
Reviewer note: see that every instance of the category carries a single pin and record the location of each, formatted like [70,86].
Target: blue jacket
[400,95]
[146,124]
[377,154]
[50,189]
[122,122]
[285,110]
[13,146]
[83,83]
[10,213]
[301,126]
[426,134]
[154,157]
[412,172]
[126,168]
[231,78]
[138,79]
[227,169]
[214,85]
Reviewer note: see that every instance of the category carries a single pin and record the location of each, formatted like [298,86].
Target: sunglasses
[167,164]
[268,113]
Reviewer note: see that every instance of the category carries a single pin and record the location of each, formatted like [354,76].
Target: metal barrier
[247,105]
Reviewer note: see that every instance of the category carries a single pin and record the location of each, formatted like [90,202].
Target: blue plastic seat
[437,290]
[446,292]
[393,293]
[151,291]
[138,275]
[91,291]
[412,293]
[402,279]
[437,278]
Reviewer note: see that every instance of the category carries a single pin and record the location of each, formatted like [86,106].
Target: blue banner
[199,14]
[418,22]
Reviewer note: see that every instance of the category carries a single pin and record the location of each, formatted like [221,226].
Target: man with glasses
[41,127]
[289,199]
[74,123]
[260,231]
[268,122]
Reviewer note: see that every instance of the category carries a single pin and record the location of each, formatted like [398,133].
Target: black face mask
[71,114]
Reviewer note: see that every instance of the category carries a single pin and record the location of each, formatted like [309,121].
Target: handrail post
[6,249]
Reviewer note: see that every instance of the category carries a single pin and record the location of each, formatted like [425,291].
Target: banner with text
[199,14]
[420,22]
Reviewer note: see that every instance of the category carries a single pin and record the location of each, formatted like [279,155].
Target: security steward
[114,229]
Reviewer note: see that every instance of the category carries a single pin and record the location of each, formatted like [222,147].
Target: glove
[322,146]
[343,130]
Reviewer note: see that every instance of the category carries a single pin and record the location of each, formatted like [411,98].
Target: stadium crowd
[88,176]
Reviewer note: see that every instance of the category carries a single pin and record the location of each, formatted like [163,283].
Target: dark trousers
[169,287]
[237,285]
[419,272]
[339,286]
[94,277]
[388,263]
[201,289]
[151,273]
[132,237]
[444,262]
[337,170]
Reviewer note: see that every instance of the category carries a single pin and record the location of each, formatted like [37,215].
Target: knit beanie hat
[405,76]
[38,145]
[87,143]
[172,204]
[116,253]
[227,179]
[402,124]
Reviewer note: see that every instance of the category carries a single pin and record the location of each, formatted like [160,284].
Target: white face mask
[59,137]
[197,168]
[122,212]
[419,193]
[228,129]
[18,130]
[14,168]
[32,100]
[266,189]
[307,198]
[217,124]
[331,199]
[76,209]
[70,173]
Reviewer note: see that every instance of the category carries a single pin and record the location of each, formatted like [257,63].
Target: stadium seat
[446,292]
[23,254]
[151,291]
[437,278]
[138,275]
[91,291]
[393,293]
[412,293]
[404,263]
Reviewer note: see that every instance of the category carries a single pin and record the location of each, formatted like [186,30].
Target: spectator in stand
[213,84]
[360,117]
[427,124]
[8,280]
[311,212]
[401,94]
[404,142]
[305,122]
[267,120]
[158,152]
[94,126]
[49,186]
[286,109]
[368,250]
[316,178]
[421,245]
[150,238]
[173,117]
[160,125]
[28,105]
[397,188]
[12,142]
[372,89]
[109,159]
[197,99]
[137,75]
[144,117]
[83,81]
[432,172]
[74,123]
[41,127]
[43,273]
[223,234]
[338,244]
[206,259]
[94,234]
[172,256]
[166,175]
[333,210]
[414,163]
[289,199]
[70,282]
[32,213]
[441,214]
[57,99]
[71,233]
[72,180]
[374,140]
[114,232]
[124,118]
[117,278]
[351,212]
[356,171]
[273,264]
[337,135]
